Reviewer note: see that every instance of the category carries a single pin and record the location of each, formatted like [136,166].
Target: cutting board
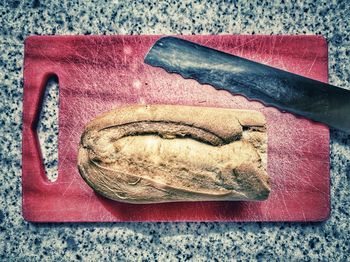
[98,73]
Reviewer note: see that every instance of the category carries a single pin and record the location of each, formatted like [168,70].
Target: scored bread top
[226,124]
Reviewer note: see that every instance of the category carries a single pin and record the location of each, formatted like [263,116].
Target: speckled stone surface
[23,241]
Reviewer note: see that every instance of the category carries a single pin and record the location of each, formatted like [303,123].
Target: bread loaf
[165,153]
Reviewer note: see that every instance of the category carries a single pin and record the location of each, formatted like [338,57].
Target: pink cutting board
[98,73]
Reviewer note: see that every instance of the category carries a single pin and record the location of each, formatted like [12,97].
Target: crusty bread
[165,153]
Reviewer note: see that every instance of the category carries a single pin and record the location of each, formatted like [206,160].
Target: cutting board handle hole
[47,128]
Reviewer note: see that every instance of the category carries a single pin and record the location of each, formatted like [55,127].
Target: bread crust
[166,153]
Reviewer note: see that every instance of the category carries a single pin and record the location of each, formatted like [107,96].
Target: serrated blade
[274,87]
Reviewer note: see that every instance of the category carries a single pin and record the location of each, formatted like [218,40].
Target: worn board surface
[98,73]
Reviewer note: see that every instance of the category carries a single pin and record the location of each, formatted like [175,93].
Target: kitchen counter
[23,240]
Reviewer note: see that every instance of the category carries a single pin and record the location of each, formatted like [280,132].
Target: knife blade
[286,91]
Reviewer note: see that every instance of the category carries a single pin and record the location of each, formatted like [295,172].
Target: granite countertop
[25,241]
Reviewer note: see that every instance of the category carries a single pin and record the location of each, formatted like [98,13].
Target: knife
[290,92]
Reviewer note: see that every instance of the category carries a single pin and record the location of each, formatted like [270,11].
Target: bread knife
[286,91]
